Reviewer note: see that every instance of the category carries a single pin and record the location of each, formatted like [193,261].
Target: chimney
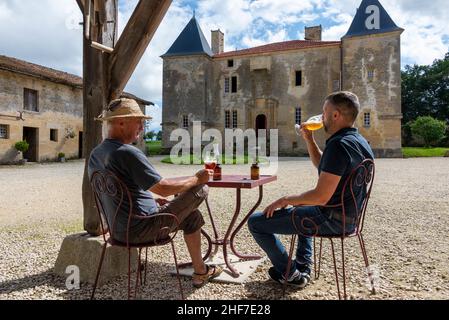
[313,33]
[217,41]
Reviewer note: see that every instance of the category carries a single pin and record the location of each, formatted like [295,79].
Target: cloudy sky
[47,32]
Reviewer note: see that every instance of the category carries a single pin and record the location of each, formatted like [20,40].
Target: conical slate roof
[191,41]
[365,21]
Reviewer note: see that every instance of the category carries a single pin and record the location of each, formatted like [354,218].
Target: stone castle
[278,85]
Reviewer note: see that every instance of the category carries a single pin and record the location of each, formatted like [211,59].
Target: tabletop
[236,181]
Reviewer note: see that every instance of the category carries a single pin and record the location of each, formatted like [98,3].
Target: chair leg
[289,263]
[138,273]
[129,273]
[365,258]
[317,269]
[98,271]
[335,269]
[177,270]
[146,262]
[344,269]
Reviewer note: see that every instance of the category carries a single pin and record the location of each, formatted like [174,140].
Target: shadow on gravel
[161,285]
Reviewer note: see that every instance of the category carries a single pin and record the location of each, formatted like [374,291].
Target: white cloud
[42,32]
[425,23]
[47,31]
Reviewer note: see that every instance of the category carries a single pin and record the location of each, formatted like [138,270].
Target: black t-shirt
[344,151]
[132,166]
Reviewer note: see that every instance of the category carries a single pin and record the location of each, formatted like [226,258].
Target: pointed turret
[191,41]
[371,18]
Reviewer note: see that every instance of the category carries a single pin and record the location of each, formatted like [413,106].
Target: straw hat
[122,108]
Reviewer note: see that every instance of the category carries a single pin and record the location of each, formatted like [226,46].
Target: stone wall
[60,108]
[186,92]
[372,71]
[266,85]
[195,86]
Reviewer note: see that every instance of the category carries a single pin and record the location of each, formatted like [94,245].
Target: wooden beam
[101,47]
[81,5]
[100,6]
[133,42]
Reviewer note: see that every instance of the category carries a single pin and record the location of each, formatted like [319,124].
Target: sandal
[212,272]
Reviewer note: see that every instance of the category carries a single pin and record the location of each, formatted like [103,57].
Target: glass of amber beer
[313,124]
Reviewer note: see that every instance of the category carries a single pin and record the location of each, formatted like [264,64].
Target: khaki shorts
[185,207]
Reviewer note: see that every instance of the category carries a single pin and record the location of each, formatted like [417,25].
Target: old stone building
[278,85]
[44,107]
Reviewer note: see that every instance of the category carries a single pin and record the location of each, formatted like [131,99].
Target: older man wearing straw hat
[124,124]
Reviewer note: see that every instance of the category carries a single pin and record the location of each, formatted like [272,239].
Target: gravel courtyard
[406,233]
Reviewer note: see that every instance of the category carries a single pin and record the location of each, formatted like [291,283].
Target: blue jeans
[310,221]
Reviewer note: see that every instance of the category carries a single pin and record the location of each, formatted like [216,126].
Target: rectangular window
[227,119]
[367,120]
[185,122]
[230,63]
[226,85]
[298,118]
[53,135]
[4,131]
[234,119]
[370,74]
[234,85]
[298,80]
[30,100]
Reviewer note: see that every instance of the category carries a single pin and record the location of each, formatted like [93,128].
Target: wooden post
[95,96]
[105,74]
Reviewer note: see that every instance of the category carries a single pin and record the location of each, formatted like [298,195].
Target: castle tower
[187,73]
[371,68]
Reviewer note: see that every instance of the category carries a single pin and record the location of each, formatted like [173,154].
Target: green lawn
[187,160]
[424,152]
[154,147]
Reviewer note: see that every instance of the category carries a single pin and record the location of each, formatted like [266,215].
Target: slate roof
[191,41]
[359,27]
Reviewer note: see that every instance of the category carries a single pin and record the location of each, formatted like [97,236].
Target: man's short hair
[347,103]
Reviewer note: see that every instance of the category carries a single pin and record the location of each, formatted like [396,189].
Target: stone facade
[55,125]
[372,69]
[278,84]
[59,110]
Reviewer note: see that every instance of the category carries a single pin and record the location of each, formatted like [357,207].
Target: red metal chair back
[111,194]
[361,179]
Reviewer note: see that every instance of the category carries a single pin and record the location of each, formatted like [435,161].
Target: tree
[429,129]
[159,136]
[425,91]
[150,135]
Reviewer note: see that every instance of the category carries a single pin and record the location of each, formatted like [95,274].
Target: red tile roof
[279,46]
[41,72]
[35,70]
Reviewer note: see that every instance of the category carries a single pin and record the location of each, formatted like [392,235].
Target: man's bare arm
[314,152]
[312,147]
[167,188]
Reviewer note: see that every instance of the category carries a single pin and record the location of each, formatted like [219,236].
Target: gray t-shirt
[132,166]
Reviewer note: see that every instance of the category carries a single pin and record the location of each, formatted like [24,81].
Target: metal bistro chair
[108,187]
[361,177]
